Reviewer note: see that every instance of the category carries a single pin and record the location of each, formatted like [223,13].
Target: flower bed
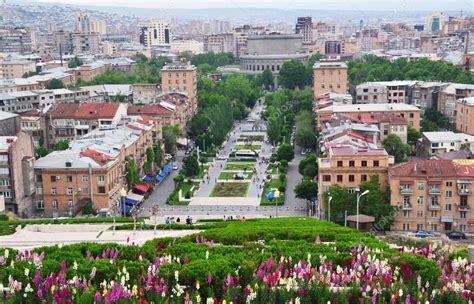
[224,175]
[258,261]
[239,166]
[230,190]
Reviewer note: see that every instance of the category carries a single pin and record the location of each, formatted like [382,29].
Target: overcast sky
[425,5]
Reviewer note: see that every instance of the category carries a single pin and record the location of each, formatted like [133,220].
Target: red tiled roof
[464,169]
[425,168]
[84,110]
[150,110]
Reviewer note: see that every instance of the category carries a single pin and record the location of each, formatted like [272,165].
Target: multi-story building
[426,94]
[85,43]
[178,103]
[409,112]
[449,96]
[348,165]
[219,43]
[15,40]
[9,123]
[371,92]
[329,76]
[181,77]
[63,42]
[33,123]
[464,115]
[433,195]
[155,33]
[160,115]
[83,23]
[16,68]
[87,72]
[434,143]
[144,93]
[99,26]
[16,173]
[304,26]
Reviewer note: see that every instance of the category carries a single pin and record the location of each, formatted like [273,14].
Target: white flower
[74,266]
[297,300]
[209,301]
[207,254]
[176,275]
[400,292]
[6,253]
[27,271]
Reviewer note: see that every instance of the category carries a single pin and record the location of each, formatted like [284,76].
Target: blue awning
[158,178]
[162,174]
[147,178]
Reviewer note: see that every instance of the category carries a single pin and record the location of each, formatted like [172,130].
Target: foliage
[213,59]
[170,136]
[306,189]
[158,153]
[293,74]
[395,146]
[305,135]
[434,120]
[132,175]
[62,145]
[308,166]
[54,84]
[191,165]
[413,135]
[266,79]
[119,97]
[41,152]
[75,62]
[374,68]
[312,60]
[285,152]
[88,208]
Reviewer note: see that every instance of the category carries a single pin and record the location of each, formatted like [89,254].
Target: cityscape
[236,151]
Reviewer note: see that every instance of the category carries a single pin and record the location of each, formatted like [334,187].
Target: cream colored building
[10,69]
[181,77]
[465,115]
[330,76]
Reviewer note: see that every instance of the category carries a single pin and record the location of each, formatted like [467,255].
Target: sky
[422,5]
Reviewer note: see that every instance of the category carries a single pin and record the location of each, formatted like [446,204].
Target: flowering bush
[259,261]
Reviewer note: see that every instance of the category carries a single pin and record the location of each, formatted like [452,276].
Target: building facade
[329,76]
[16,68]
[464,115]
[155,33]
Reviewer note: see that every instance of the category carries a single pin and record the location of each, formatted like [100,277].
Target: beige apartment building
[330,76]
[16,68]
[87,72]
[348,165]
[181,77]
[433,195]
[465,115]
[85,43]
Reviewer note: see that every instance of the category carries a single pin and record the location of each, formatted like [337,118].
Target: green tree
[191,166]
[158,154]
[170,136]
[41,152]
[55,84]
[62,145]
[394,145]
[413,136]
[285,151]
[306,189]
[267,79]
[132,176]
[293,74]
[75,62]
[308,166]
[119,97]
[274,131]
[434,120]
[178,180]
[305,136]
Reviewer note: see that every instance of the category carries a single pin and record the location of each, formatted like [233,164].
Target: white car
[175,167]
[222,157]
[168,156]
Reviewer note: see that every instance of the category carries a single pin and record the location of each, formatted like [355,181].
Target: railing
[464,207]
[434,207]
[407,206]
[406,191]
[464,191]
[434,191]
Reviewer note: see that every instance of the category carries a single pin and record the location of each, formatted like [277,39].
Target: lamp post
[329,208]
[358,200]
[123,194]
[277,195]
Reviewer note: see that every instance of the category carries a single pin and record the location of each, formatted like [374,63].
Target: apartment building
[449,96]
[10,69]
[155,33]
[144,93]
[371,92]
[425,94]
[409,112]
[16,173]
[88,72]
[9,123]
[329,76]
[160,115]
[348,165]
[177,102]
[85,43]
[433,195]
[33,123]
[465,115]
[181,77]
[72,120]
[434,143]
[91,170]
[304,26]
[219,43]
[15,40]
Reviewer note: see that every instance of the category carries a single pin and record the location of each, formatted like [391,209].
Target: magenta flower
[94,270]
[97,297]
[40,293]
[209,278]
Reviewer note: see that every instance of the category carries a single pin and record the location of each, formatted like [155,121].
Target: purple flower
[209,278]
[63,266]
[40,293]
[94,270]
[97,297]
[37,278]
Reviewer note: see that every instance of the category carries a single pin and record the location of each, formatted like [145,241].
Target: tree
[267,79]
[306,189]
[434,120]
[191,165]
[285,151]
[62,145]
[158,154]
[41,152]
[395,146]
[293,74]
[413,136]
[119,97]
[274,130]
[308,167]
[170,136]
[55,84]
[132,173]
[305,135]
[178,180]
[75,62]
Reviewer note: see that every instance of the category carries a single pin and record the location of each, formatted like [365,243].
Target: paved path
[293,177]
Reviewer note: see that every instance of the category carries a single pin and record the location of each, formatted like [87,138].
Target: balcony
[464,191]
[406,191]
[434,207]
[464,207]
[407,206]
[100,183]
[434,191]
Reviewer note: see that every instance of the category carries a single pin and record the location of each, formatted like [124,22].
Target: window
[406,213]
[85,178]
[339,163]
[448,207]
[54,204]
[69,204]
[364,163]
[39,178]
[53,178]
[449,184]
[434,227]
[363,177]
[40,205]
[339,178]
[351,163]
[419,214]
[351,178]
[406,226]
[69,179]
[421,185]
[434,213]
[419,227]
[462,214]
[376,163]
[326,178]
[54,191]
[449,194]
[101,189]
[462,227]
[412,115]
[100,178]
[420,200]
[69,191]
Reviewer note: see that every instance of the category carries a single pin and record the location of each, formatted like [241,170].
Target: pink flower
[40,293]
[97,297]
[209,278]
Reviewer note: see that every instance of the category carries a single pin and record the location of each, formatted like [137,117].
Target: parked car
[423,234]
[175,167]
[168,156]
[222,157]
[456,235]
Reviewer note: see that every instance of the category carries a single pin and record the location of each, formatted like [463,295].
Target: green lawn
[230,175]
[240,166]
[248,147]
[274,183]
[230,190]
[252,137]
[174,197]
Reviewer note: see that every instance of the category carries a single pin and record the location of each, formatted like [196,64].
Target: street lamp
[358,200]
[123,194]
[329,208]
[277,195]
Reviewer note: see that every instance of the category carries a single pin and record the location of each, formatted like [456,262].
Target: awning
[435,182]
[470,222]
[133,198]
[158,178]
[143,188]
[406,182]
[446,219]
[182,141]
[147,178]
[162,174]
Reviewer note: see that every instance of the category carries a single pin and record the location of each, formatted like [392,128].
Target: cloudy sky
[425,5]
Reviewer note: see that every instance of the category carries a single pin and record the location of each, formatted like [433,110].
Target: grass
[252,137]
[230,190]
[273,168]
[230,175]
[248,147]
[239,166]
[174,197]
[274,183]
